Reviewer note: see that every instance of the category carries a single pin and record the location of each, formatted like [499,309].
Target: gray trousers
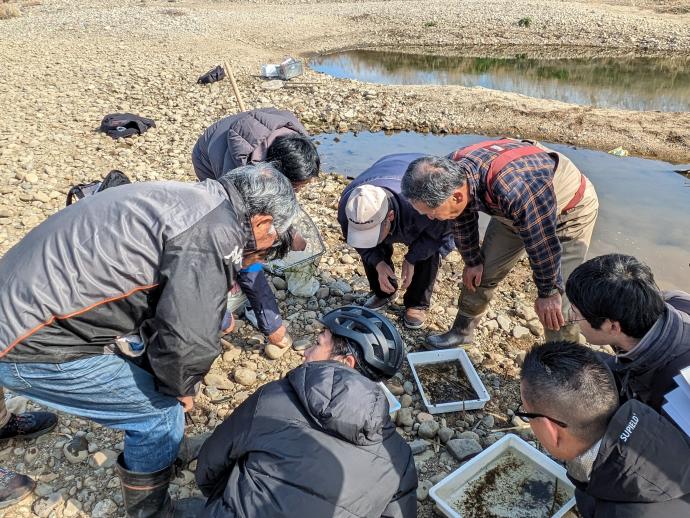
[502,248]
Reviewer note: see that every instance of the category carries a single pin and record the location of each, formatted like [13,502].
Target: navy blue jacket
[423,236]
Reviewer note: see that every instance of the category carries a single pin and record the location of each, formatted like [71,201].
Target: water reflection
[633,83]
[644,206]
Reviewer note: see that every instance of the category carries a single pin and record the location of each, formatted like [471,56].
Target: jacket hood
[341,401]
[642,458]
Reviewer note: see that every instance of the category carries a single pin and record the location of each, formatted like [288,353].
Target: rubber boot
[461,333]
[145,495]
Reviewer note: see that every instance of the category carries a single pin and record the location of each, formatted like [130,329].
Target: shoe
[14,487]
[375,302]
[461,333]
[28,425]
[414,318]
[145,495]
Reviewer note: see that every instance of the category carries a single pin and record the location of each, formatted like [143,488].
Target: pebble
[218,381]
[395,387]
[423,490]
[76,450]
[347,259]
[463,449]
[408,387]
[244,376]
[445,434]
[302,344]
[73,508]
[405,417]
[103,459]
[232,355]
[503,322]
[418,446]
[521,332]
[488,421]
[44,506]
[279,283]
[424,416]
[104,509]
[323,293]
[405,400]
[428,429]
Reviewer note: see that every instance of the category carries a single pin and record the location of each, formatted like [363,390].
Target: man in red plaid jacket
[539,202]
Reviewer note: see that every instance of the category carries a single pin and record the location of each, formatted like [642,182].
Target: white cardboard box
[460,355]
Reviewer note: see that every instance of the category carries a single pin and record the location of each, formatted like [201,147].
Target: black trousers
[418,294]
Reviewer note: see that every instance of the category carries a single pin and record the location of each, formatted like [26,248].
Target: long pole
[234,87]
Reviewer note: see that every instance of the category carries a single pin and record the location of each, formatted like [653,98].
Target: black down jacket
[642,469]
[318,443]
[241,139]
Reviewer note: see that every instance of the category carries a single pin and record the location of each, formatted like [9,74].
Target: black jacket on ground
[318,443]
[642,469]
[155,258]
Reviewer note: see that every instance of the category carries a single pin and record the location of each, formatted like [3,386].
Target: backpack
[118,125]
[112,179]
[213,75]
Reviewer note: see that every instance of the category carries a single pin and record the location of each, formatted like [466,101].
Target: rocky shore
[65,64]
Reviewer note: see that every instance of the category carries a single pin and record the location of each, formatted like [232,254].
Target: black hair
[616,287]
[431,180]
[567,381]
[296,157]
[342,347]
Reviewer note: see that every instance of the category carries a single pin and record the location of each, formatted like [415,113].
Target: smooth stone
[463,449]
[418,446]
[395,388]
[521,332]
[408,387]
[405,417]
[279,283]
[424,416]
[488,421]
[104,508]
[423,490]
[245,377]
[219,381]
[323,293]
[468,435]
[445,434]
[491,325]
[76,450]
[232,355]
[503,322]
[428,429]
[405,400]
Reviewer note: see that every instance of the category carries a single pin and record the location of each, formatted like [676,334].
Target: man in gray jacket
[141,270]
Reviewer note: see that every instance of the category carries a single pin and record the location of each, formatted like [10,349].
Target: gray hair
[568,382]
[431,180]
[265,190]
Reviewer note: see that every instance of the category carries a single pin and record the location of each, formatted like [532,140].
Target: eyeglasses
[526,416]
[571,317]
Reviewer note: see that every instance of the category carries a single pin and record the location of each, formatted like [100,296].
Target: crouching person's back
[319,442]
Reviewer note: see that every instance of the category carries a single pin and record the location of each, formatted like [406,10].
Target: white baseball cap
[366,210]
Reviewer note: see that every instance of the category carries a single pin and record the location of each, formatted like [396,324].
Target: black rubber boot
[14,487]
[145,495]
[461,333]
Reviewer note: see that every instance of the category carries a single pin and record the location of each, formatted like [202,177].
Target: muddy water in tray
[445,382]
[644,206]
[511,486]
[635,83]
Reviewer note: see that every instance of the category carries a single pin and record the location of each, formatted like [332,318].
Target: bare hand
[228,325]
[407,274]
[385,274]
[549,311]
[187,402]
[299,244]
[472,276]
[280,337]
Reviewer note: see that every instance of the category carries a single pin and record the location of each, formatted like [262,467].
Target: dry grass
[8,11]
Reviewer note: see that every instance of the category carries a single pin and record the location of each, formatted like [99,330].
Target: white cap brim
[363,238]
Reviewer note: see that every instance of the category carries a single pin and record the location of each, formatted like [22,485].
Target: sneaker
[28,425]
[375,302]
[414,318]
[14,487]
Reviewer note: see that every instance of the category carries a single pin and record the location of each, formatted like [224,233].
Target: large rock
[463,449]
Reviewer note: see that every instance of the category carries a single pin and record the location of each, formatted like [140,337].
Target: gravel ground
[65,64]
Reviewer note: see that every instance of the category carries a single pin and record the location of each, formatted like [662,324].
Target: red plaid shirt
[523,193]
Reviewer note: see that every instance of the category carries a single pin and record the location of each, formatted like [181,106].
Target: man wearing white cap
[374,215]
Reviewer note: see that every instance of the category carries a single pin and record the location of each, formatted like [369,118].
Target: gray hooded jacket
[151,258]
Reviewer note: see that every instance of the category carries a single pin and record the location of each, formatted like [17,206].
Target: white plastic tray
[393,402]
[443,492]
[442,357]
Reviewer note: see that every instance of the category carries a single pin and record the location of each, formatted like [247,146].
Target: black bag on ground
[213,75]
[112,179]
[118,125]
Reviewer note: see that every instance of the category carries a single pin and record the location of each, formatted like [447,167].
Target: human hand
[549,311]
[187,402]
[385,274]
[407,274]
[299,244]
[228,325]
[280,337]
[472,276]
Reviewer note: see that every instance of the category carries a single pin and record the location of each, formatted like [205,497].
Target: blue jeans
[111,391]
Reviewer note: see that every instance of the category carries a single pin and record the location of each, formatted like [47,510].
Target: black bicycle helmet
[372,338]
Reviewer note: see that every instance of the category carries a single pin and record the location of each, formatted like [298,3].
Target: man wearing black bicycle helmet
[316,442]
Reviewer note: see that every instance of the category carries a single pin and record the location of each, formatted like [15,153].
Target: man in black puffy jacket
[319,442]
[625,461]
[262,135]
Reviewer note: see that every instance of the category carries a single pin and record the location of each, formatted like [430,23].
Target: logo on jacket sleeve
[629,428]
[235,256]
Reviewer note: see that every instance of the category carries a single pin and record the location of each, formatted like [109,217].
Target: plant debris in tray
[445,382]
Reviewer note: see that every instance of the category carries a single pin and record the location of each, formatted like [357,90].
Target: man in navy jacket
[374,215]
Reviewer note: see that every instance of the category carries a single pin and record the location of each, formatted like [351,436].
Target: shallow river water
[634,83]
[644,205]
